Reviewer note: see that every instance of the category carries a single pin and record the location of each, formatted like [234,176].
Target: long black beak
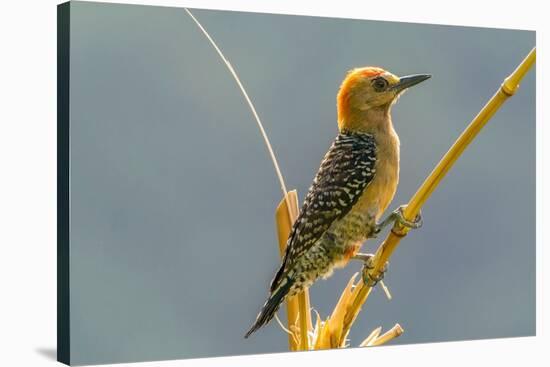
[410,80]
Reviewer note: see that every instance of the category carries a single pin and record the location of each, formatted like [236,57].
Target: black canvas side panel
[63,320]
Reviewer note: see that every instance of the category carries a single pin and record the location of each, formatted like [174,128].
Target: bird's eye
[380,84]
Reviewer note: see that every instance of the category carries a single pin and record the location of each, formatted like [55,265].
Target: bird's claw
[368,278]
[399,221]
[400,218]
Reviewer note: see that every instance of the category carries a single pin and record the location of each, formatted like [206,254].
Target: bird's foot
[397,217]
[400,218]
[368,265]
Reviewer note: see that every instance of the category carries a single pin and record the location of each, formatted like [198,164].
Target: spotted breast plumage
[327,231]
[354,185]
[316,236]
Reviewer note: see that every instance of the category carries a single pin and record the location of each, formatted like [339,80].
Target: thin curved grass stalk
[385,250]
[298,306]
[248,101]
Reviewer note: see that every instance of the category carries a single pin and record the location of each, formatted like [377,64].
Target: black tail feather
[271,306]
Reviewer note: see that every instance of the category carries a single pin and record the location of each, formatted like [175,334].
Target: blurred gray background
[173,195]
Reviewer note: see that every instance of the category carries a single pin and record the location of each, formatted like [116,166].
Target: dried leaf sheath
[297,306]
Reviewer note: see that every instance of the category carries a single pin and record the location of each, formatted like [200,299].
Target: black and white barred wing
[345,172]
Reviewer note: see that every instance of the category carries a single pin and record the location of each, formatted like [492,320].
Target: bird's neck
[372,121]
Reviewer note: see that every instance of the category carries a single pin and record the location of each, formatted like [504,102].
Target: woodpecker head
[370,91]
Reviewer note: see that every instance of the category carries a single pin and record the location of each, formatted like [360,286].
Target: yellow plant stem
[298,307]
[372,336]
[506,90]
[391,334]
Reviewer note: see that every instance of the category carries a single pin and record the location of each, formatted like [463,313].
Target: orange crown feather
[342,100]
